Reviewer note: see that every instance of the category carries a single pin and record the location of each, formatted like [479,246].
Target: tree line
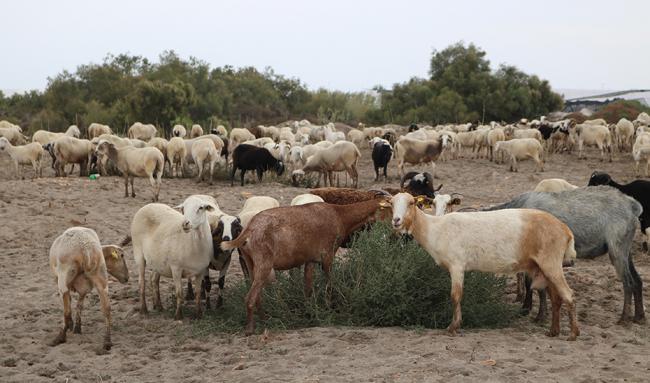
[124,89]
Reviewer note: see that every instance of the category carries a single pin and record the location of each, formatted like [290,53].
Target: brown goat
[288,237]
[345,196]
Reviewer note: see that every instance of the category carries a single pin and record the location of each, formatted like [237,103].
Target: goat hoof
[107,345]
[624,321]
[144,311]
[158,307]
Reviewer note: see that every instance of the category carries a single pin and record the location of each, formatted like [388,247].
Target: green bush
[383,281]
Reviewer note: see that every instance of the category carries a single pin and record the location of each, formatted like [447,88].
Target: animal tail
[570,252]
[235,243]
[125,241]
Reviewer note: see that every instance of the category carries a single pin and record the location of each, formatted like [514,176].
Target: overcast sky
[346,45]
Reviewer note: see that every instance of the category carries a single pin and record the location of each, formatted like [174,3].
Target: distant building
[595,101]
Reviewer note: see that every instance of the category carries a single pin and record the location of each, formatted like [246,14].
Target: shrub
[619,109]
[383,281]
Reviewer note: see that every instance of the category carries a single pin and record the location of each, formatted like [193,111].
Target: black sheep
[417,184]
[381,154]
[248,157]
[639,190]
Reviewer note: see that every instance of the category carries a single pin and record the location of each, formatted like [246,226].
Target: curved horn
[406,176]
[454,193]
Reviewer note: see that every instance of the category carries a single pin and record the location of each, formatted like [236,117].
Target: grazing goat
[528,240]
[603,221]
[247,157]
[521,149]
[79,263]
[639,190]
[288,237]
[381,155]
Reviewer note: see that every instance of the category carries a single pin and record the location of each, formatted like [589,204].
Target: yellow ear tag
[420,199]
[383,204]
[114,254]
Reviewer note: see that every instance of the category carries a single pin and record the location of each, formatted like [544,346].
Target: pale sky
[345,45]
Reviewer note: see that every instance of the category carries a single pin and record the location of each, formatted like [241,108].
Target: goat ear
[455,201]
[179,208]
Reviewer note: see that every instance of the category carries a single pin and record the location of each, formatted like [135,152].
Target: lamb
[172,244]
[594,135]
[96,129]
[248,157]
[134,162]
[79,263]
[31,153]
[302,199]
[521,149]
[176,152]
[554,185]
[356,137]
[603,221]
[462,242]
[141,131]
[639,190]
[70,150]
[13,135]
[302,240]
[179,131]
[381,155]
[416,152]
[342,156]
[255,205]
[203,153]
[196,131]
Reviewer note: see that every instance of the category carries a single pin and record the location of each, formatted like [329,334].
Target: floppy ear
[179,208]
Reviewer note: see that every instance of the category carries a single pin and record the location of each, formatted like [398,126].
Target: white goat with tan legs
[594,135]
[495,135]
[528,240]
[79,263]
[521,149]
[31,153]
[624,133]
[355,136]
[174,245]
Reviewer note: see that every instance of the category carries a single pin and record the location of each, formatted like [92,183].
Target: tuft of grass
[384,280]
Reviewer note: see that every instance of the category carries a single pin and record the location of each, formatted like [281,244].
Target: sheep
[418,184]
[179,131]
[356,137]
[204,152]
[416,152]
[287,237]
[176,152]
[237,136]
[493,136]
[521,149]
[369,133]
[218,143]
[172,244]
[603,221]
[642,119]
[381,155]
[31,153]
[70,150]
[13,135]
[287,135]
[44,137]
[331,135]
[96,129]
[272,132]
[641,152]
[302,199]
[594,135]
[79,263]
[141,131]
[137,143]
[220,131]
[134,162]
[597,121]
[248,157]
[73,131]
[196,131]
[160,144]
[624,132]
[102,161]
[465,140]
[462,242]
[639,190]
[554,185]
[449,145]
[6,124]
[253,206]
[260,142]
[342,156]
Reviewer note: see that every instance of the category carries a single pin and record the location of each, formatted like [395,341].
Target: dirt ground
[157,348]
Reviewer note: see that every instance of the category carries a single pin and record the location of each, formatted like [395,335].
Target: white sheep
[172,244]
[31,153]
[204,152]
[254,205]
[238,136]
[527,240]
[79,263]
[332,135]
[495,135]
[521,149]
[70,150]
[44,137]
[594,135]
[639,153]
[302,199]
[176,153]
[13,134]
[342,156]
[356,137]
[196,131]
[287,135]
[554,185]
[136,162]
[96,129]
[220,131]
[624,132]
[179,131]
[141,131]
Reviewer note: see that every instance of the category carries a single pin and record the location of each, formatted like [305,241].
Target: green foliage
[620,109]
[383,281]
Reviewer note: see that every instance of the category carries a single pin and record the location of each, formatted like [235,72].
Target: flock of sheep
[187,240]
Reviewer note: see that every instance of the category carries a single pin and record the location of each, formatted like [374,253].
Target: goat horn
[454,193]
[439,187]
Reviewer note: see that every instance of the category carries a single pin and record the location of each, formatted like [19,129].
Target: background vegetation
[379,283]
[123,89]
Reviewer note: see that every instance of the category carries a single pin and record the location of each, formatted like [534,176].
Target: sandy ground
[34,212]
